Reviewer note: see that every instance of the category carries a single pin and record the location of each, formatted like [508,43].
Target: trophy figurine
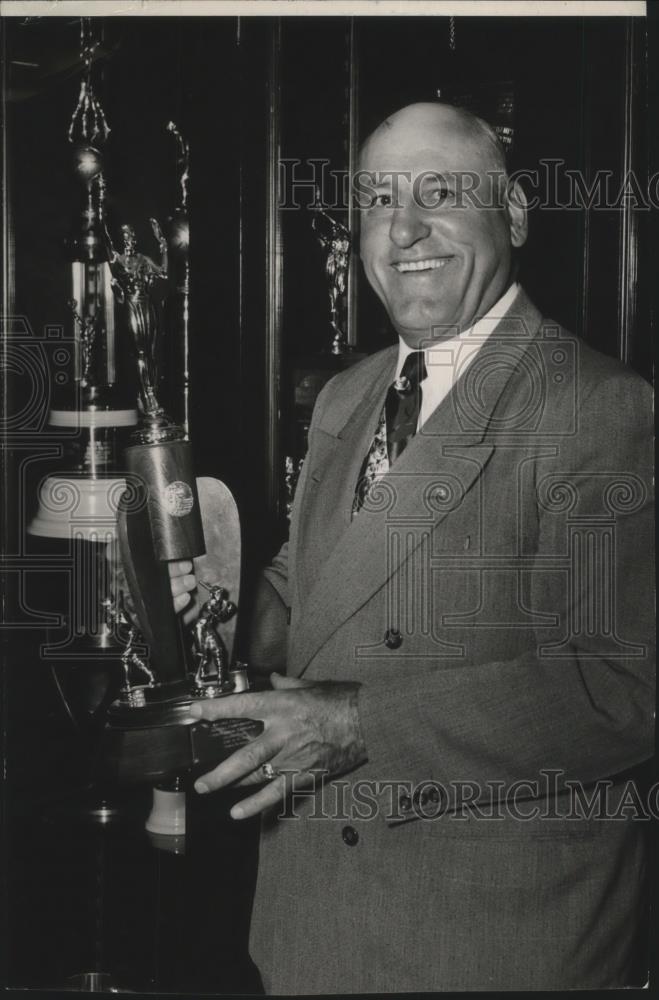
[335,240]
[210,652]
[164,515]
[134,276]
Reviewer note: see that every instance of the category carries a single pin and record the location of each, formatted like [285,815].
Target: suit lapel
[351,559]
[340,445]
[429,480]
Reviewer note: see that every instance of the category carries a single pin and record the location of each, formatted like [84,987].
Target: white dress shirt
[447,360]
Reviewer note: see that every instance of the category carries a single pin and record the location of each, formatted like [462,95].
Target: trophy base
[92,982]
[158,741]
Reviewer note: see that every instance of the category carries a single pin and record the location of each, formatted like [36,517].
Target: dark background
[243,92]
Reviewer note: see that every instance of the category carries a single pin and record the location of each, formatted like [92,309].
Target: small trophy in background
[335,239]
[494,102]
[311,372]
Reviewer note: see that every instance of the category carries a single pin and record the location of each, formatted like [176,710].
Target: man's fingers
[273,793]
[254,778]
[182,584]
[238,706]
[243,762]
[180,567]
[265,798]
[181,600]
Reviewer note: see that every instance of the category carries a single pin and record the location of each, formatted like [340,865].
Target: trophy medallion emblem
[178,498]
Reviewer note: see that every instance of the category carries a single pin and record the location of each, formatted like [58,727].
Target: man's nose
[408,226]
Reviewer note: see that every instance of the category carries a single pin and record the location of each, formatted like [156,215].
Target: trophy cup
[165,514]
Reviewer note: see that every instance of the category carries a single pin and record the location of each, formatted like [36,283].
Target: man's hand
[308,726]
[182,582]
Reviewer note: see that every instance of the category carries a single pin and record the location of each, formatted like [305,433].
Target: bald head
[443,122]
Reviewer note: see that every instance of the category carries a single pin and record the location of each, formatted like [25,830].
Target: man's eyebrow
[437,175]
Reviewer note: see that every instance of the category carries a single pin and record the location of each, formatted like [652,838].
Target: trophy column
[160,522]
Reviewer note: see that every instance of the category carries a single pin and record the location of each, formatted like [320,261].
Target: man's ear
[516,206]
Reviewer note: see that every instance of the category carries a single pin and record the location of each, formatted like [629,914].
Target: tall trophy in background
[175,387]
[92,411]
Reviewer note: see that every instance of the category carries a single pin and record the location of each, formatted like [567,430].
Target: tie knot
[412,373]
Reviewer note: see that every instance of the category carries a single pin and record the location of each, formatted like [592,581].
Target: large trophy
[164,515]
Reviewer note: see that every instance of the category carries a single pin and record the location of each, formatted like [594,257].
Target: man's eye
[434,195]
[382,201]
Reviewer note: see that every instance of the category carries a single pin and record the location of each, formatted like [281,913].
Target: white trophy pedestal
[76,506]
[167,816]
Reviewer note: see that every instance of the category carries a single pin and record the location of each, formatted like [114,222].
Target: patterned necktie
[403,404]
[397,424]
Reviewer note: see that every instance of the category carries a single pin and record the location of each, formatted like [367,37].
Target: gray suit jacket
[494,599]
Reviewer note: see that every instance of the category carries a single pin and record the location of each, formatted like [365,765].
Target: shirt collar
[476,334]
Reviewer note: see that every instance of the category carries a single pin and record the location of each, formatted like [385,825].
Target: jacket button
[350,836]
[392,638]
[427,795]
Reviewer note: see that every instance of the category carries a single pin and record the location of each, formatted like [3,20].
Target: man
[463,613]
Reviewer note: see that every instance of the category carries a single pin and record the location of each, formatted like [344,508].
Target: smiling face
[436,256]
